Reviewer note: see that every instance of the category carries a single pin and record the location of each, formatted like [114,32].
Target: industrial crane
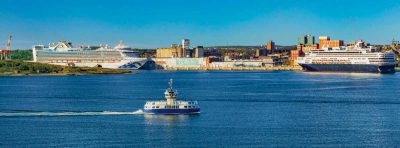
[6,52]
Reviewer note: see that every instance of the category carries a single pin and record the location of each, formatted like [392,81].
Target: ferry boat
[63,53]
[359,58]
[171,105]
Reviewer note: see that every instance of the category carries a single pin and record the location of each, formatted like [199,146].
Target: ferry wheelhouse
[171,105]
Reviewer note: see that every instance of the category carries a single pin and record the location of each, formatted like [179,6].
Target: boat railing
[176,102]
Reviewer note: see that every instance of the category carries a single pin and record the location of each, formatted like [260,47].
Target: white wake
[99,113]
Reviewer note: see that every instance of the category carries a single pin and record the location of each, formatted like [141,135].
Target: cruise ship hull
[356,68]
[172,111]
[132,64]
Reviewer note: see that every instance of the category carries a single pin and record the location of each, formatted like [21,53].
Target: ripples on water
[66,113]
[239,109]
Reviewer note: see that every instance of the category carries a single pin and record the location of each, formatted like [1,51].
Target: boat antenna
[170,83]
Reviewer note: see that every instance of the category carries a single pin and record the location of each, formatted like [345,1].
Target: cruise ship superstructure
[358,58]
[63,53]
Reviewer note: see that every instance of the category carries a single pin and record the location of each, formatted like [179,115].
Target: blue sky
[159,23]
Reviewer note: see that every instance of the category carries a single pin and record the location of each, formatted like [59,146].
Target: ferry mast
[170,94]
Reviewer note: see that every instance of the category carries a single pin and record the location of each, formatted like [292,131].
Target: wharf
[277,68]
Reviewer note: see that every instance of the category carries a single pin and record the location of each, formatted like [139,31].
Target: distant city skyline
[156,23]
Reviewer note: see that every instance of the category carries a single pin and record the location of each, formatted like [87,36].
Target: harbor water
[238,109]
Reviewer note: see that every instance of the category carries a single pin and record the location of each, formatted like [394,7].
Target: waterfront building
[186,47]
[310,40]
[353,43]
[294,54]
[307,48]
[326,42]
[163,63]
[306,40]
[307,43]
[174,51]
[261,52]
[211,59]
[233,55]
[270,46]
[301,40]
[185,43]
[199,52]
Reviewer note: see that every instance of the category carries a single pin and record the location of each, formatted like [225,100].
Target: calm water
[239,109]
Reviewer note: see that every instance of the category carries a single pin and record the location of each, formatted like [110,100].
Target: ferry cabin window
[152,107]
[157,107]
[185,106]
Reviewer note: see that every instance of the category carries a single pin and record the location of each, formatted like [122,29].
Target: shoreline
[23,68]
[105,71]
[63,74]
[278,68]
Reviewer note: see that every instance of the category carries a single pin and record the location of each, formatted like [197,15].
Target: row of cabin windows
[153,103]
[173,107]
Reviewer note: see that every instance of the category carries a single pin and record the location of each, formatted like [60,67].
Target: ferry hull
[172,111]
[357,68]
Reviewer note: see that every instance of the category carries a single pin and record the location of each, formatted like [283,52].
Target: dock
[276,68]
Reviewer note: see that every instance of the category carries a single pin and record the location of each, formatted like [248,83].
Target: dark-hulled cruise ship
[359,59]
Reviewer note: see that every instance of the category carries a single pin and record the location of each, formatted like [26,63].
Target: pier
[276,68]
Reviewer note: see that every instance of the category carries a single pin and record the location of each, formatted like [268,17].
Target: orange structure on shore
[326,42]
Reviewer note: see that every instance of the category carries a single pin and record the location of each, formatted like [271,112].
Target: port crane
[5,53]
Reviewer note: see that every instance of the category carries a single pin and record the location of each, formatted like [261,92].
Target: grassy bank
[398,69]
[17,67]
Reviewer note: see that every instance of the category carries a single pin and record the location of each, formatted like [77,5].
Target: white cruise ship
[63,53]
[358,58]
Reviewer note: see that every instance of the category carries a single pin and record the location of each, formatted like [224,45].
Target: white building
[185,43]
[186,47]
